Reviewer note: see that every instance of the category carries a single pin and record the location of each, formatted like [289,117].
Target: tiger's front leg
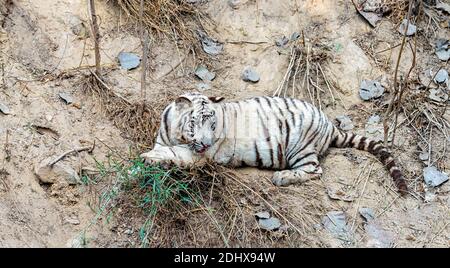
[180,156]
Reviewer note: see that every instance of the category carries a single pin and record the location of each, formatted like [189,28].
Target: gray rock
[345,123]
[209,45]
[374,119]
[438,95]
[249,75]
[425,78]
[335,223]
[57,172]
[444,7]
[203,73]
[442,49]
[73,221]
[263,215]
[424,156]
[377,236]
[269,224]
[337,194]
[433,177]
[234,3]
[77,242]
[4,109]
[78,26]
[282,41]
[411,28]
[295,36]
[374,129]
[370,89]
[441,76]
[129,61]
[429,196]
[203,87]
[367,213]
[371,17]
[66,97]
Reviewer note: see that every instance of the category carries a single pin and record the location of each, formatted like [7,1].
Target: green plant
[148,188]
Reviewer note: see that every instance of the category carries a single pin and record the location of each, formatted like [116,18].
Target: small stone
[263,215]
[234,4]
[441,76]
[374,119]
[370,89]
[442,49]
[367,213]
[4,109]
[430,196]
[77,242]
[281,42]
[78,27]
[269,224]
[335,223]
[345,123]
[203,87]
[433,177]
[377,236]
[128,232]
[128,61]
[66,97]
[425,78]
[295,36]
[203,73]
[57,172]
[411,28]
[209,45]
[424,156]
[249,75]
[438,95]
[73,221]
[338,194]
[374,129]
[444,7]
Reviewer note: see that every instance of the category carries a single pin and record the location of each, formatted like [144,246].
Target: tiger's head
[197,121]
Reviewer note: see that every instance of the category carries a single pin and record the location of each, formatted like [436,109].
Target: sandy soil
[38,48]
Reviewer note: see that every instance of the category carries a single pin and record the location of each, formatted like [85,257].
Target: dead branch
[59,158]
[395,89]
[95,34]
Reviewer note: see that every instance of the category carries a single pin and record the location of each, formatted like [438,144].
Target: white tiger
[283,134]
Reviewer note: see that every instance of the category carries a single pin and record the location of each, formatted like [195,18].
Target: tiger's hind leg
[303,169]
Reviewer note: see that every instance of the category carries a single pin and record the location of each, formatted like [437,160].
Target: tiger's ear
[216,99]
[183,102]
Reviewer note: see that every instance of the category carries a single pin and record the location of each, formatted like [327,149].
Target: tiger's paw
[282,178]
[155,158]
[288,177]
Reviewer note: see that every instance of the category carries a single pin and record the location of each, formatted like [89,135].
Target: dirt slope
[39,48]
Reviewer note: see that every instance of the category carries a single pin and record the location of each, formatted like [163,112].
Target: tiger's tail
[343,139]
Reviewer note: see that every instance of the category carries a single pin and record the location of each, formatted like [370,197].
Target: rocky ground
[46,49]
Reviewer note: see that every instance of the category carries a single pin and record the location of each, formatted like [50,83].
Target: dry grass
[305,76]
[177,20]
[213,206]
[139,121]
